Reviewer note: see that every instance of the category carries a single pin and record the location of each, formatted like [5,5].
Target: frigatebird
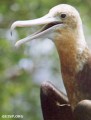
[63,26]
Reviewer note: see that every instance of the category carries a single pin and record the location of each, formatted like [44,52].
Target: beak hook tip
[13,27]
[11,32]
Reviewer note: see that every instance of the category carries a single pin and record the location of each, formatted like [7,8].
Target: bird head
[59,19]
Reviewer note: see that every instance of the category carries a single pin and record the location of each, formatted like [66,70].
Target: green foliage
[19,88]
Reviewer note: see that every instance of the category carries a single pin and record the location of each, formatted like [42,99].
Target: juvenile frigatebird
[63,26]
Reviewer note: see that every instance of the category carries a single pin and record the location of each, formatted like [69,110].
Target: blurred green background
[23,70]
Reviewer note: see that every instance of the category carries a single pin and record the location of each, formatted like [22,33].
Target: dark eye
[63,15]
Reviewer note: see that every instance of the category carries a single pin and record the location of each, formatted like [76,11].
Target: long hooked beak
[51,23]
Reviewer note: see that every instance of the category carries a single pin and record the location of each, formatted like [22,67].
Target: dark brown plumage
[54,103]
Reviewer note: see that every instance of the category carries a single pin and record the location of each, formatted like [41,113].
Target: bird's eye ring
[63,15]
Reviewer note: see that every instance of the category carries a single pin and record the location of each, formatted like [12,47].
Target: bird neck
[73,53]
[72,48]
